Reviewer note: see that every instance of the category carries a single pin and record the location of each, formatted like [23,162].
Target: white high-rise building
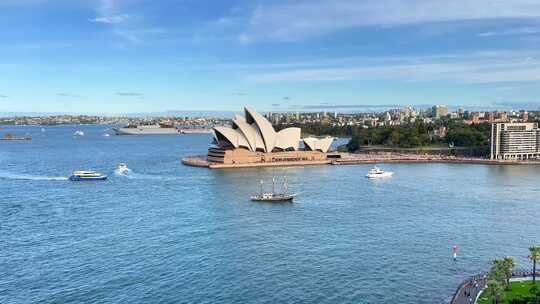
[439,111]
[515,141]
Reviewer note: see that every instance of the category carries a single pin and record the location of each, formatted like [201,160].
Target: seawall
[356,159]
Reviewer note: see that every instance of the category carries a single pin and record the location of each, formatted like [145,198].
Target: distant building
[440,132]
[439,111]
[525,116]
[515,141]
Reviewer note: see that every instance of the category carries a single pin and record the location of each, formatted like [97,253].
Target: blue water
[167,233]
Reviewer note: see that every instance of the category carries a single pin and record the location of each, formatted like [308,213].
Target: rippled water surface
[167,233]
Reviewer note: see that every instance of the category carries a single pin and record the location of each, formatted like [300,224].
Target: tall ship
[154,129]
[274,196]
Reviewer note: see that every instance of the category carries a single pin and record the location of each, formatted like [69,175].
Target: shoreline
[341,159]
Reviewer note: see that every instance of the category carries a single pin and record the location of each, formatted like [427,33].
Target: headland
[252,141]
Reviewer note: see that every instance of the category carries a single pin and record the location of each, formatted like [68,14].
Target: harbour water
[168,233]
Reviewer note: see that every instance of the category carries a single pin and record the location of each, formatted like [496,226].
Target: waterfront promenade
[343,158]
[469,291]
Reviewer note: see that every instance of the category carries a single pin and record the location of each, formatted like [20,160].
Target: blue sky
[114,56]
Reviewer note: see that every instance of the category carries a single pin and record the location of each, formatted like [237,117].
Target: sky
[126,56]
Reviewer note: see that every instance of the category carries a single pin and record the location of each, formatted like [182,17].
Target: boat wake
[133,175]
[124,173]
[12,176]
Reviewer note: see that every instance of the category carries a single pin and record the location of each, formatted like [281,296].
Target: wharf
[195,131]
[352,159]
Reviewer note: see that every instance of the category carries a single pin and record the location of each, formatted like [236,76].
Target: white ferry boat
[87,176]
[377,172]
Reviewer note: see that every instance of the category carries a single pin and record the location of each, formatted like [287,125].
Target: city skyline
[136,56]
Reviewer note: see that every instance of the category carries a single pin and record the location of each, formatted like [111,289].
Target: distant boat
[87,176]
[106,134]
[122,168]
[273,196]
[78,133]
[377,172]
[155,129]
[13,137]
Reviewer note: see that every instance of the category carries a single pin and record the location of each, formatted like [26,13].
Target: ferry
[87,176]
[273,196]
[377,172]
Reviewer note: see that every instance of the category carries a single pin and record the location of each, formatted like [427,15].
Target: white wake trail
[13,176]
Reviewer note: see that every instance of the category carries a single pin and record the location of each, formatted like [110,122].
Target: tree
[354,143]
[534,257]
[495,290]
[498,272]
[508,265]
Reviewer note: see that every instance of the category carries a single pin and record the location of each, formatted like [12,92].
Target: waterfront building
[252,139]
[515,141]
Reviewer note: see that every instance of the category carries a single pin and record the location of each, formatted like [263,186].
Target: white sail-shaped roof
[315,144]
[288,139]
[250,132]
[264,126]
[234,138]
[255,133]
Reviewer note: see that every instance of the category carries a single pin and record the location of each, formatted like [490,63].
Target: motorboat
[122,168]
[273,196]
[78,133]
[87,176]
[377,172]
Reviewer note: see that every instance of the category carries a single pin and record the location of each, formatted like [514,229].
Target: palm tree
[534,257]
[508,265]
[498,271]
[495,290]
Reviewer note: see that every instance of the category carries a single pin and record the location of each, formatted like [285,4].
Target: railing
[470,288]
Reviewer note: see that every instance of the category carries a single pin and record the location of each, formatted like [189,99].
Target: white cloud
[474,68]
[297,20]
[112,19]
[527,30]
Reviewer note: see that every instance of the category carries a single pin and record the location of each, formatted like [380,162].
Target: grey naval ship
[155,129]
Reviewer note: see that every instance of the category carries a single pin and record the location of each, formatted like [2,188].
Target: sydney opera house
[252,139]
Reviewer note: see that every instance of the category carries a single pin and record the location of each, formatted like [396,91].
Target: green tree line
[415,135]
